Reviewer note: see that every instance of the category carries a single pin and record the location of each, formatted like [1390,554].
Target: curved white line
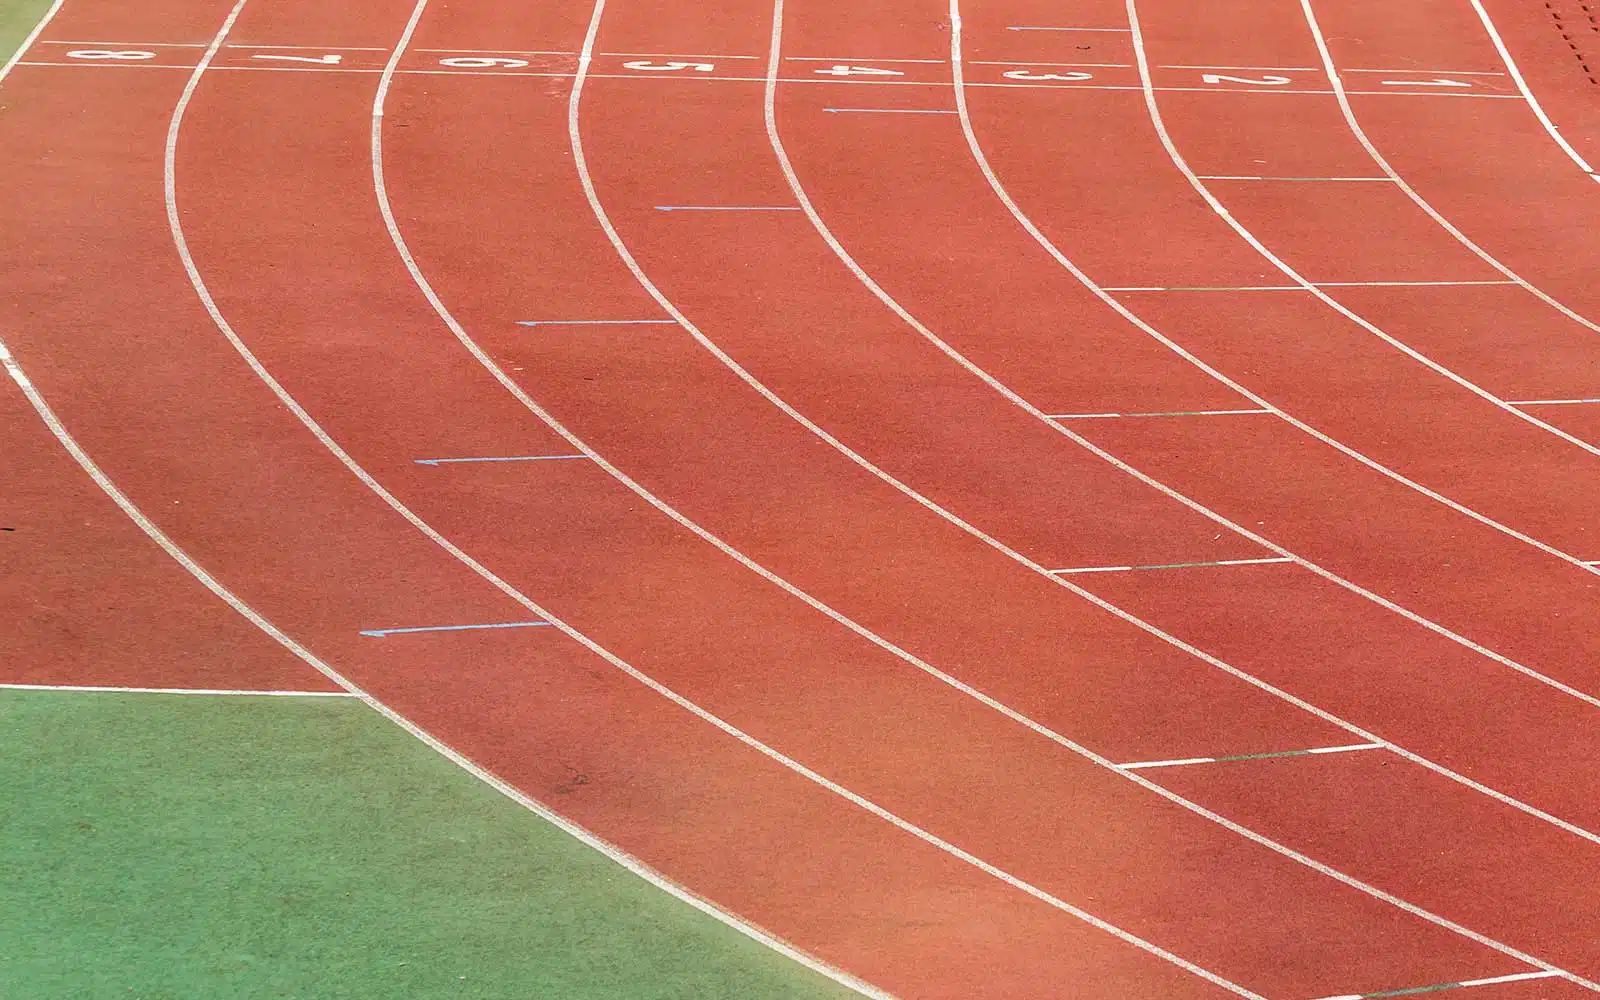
[610,851]
[1550,127]
[1122,310]
[1154,110]
[581,164]
[218,589]
[1383,164]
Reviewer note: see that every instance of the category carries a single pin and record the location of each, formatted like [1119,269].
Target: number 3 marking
[1022,74]
[127,55]
[671,67]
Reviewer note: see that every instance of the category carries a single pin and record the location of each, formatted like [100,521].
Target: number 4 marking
[1265,81]
[332,60]
[843,70]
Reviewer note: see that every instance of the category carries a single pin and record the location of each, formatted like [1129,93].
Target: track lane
[1555,60]
[964,703]
[1002,125]
[898,229]
[393,671]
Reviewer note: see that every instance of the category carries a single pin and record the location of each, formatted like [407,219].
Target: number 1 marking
[330,60]
[1436,82]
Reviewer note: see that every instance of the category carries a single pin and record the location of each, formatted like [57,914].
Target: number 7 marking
[330,60]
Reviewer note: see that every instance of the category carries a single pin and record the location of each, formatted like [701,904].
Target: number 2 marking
[123,55]
[1022,74]
[843,70]
[330,60]
[671,67]
[1265,81]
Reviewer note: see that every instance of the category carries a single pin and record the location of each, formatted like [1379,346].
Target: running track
[802,650]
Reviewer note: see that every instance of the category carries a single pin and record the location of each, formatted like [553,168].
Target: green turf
[161,847]
[17,18]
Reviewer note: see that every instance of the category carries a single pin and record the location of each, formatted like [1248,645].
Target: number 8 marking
[127,55]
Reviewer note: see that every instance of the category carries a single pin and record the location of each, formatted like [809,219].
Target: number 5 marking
[1265,81]
[671,67]
[1022,74]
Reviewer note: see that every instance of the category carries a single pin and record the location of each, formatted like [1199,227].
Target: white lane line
[1205,288]
[1253,69]
[494,369]
[1406,284]
[496,458]
[1460,237]
[726,208]
[1153,109]
[1238,177]
[379,633]
[844,256]
[1154,566]
[1163,413]
[596,322]
[1440,987]
[982,160]
[1422,72]
[98,689]
[1147,765]
[610,851]
[889,111]
[1526,92]
[1023,27]
[1551,402]
[126,45]
[862,62]
[310,48]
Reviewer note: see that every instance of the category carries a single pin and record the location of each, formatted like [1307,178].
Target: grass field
[162,847]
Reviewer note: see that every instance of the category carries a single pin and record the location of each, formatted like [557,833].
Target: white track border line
[1153,108]
[1460,237]
[152,531]
[1550,127]
[528,402]
[230,692]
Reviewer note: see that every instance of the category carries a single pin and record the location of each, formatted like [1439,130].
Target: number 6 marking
[127,55]
[482,62]
[671,67]
[1022,74]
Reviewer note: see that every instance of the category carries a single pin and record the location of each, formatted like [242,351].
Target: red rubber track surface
[276,197]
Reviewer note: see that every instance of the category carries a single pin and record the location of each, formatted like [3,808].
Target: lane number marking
[482,62]
[645,65]
[1266,81]
[328,60]
[840,69]
[125,55]
[1023,74]
[1436,82]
